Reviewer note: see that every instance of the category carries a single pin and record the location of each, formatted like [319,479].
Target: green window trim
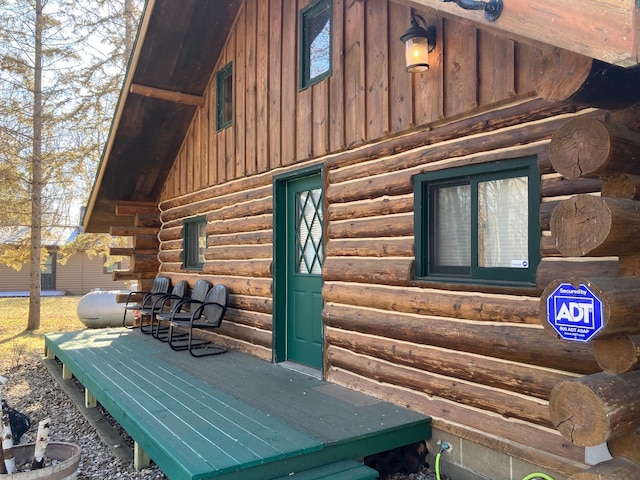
[426,188]
[224,97]
[316,42]
[194,242]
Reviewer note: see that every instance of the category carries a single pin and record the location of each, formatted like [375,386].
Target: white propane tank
[98,309]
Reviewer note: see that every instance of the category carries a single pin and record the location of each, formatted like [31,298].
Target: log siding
[475,358]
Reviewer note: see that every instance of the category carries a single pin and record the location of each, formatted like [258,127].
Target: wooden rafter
[177,97]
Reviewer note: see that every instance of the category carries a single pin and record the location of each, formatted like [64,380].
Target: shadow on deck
[231,416]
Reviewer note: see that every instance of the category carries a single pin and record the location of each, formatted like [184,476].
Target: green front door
[305,254]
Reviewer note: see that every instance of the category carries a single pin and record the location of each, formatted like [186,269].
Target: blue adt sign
[575,313]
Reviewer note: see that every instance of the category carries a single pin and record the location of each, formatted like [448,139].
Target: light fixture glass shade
[417,54]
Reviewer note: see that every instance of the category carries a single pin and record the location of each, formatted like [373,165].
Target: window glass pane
[202,241]
[309,232]
[503,216]
[452,228]
[48,264]
[195,242]
[319,43]
[224,97]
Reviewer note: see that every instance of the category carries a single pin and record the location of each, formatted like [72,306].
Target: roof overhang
[177,48]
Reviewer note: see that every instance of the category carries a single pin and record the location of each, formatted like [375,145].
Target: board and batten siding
[478,361]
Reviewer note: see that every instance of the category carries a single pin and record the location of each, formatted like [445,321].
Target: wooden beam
[177,97]
[131,208]
[123,231]
[562,75]
[602,29]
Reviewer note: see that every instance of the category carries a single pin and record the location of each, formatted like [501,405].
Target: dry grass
[58,314]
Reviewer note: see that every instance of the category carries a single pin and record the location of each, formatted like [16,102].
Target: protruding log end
[559,74]
[580,148]
[597,226]
[595,409]
[619,302]
[578,414]
[618,468]
[588,147]
[622,186]
[617,354]
[626,445]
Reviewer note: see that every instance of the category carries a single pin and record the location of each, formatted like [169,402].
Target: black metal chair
[158,328]
[163,303]
[206,315]
[160,286]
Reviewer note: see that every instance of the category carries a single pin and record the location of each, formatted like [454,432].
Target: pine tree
[58,85]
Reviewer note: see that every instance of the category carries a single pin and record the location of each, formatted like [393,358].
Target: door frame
[279,285]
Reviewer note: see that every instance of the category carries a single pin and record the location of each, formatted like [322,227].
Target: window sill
[480,286]
[192,269]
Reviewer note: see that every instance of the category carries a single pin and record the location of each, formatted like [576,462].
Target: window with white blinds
[479,223]
[194,243]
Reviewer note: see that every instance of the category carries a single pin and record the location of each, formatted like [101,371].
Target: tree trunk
[35,283]
[130,29]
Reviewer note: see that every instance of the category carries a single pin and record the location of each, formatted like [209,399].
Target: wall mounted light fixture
[419,42]
[492,8]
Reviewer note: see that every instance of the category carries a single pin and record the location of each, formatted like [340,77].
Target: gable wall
[476,359]
[368,97]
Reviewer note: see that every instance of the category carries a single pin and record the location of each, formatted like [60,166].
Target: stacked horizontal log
[601,407]
[144,263]
[557,187]
[435,346]
[375,313]
[239,255]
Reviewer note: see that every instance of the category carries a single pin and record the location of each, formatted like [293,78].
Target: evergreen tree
[61,65]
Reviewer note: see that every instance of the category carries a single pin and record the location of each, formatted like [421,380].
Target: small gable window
[224,97]
[194,243]
[315,42]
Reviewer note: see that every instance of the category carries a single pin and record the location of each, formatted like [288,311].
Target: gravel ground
[32,390]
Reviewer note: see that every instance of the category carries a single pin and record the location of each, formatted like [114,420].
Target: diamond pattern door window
[310,254]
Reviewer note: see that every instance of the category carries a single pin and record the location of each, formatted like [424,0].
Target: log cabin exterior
[217,142]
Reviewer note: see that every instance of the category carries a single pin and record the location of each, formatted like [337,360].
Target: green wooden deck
[231,416]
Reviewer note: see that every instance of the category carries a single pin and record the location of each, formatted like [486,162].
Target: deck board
[223,416]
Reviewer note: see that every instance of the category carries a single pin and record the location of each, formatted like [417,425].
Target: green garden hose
[438,465]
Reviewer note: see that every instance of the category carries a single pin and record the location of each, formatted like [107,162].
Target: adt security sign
[575,313]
